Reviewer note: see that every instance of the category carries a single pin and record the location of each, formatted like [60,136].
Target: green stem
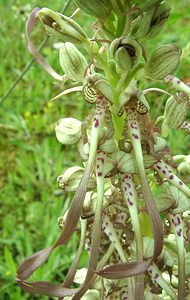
[126,81]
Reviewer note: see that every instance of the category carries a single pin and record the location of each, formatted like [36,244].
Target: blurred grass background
[30,156]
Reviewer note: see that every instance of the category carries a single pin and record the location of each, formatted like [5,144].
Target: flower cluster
[131,196]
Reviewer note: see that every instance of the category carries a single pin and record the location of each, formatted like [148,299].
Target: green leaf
[9,261]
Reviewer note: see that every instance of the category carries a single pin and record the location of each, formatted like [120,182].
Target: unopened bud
[99,9]
[183,163]
[172,198]
[72,62]
[164,61]
[70,179]
[160,145]
[125,52]
[109,146]
[65,28]
[68,131]
[159,17]
[125,162]
[175,111]
[96,84]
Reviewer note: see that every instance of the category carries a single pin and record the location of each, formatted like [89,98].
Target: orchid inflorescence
[131,196]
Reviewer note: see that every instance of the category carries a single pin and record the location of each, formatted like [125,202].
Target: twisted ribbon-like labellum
[35,261]
[31,23]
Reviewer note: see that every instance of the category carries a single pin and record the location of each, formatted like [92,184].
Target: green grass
[30,156]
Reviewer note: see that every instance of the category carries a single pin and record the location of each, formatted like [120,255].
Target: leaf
[9,261]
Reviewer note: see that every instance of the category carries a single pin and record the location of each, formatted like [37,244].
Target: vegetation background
[30,156]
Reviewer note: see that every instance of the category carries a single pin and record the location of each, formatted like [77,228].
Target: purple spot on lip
[130,202]
[179,232]
[99,174]
[156,276]
[96,123]
[135,136]
[180,182]
[171,177]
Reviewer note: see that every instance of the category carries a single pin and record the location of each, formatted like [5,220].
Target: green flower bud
[173,198]
[152,23]
[109,146]
[159,17]
[160,144]
[97,84]
[125,52]
[72,62]
[183,163]
[125,162]
[164,61]
[83,149]
[70,179]
[175,111]
[99,9]
[68,131]
[61,26]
